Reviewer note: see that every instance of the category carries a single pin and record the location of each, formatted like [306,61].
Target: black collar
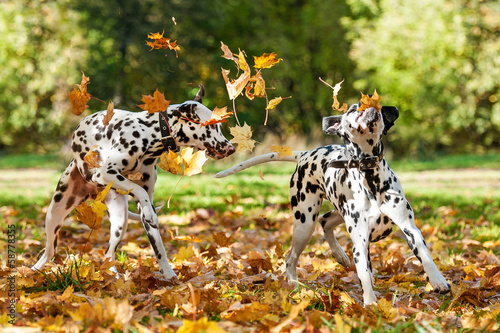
[362,164]
[166,134]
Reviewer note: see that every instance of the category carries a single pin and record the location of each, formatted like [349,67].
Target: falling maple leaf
[258,84]
[155,103]
[92,158]
[160,42]
[243,137]
[219,115]
[109,114]
[193,163]
[92,215]
[282,150]
[267,60]
[235,87]
[79,98]
[367,102]
[336,103]
[171,162]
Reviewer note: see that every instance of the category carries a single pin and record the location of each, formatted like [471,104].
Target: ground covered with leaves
[231,269]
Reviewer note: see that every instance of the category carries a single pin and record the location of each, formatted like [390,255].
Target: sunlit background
[438,61]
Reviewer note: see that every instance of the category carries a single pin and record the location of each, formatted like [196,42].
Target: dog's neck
[356,152]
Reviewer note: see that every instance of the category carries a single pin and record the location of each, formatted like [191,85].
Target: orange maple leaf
[155,103]
[109,114]
[282,150]
[267,60]
[79,98]
[160,42]
[86,214]
[243,137]
[367,102]
[92,158]
[219,115]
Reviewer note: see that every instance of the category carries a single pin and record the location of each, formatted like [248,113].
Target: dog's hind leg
[305,210]
[71,191]
[329,221]
[118,217]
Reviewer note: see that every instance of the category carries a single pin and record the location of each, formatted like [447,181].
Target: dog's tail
[259,160]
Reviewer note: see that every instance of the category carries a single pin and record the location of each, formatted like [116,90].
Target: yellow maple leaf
[274,102]
[155,103]
[243,137]
[386,309]
[185,252]
[79,98]
[267,60]
[101,195]
[171,162]
[242,62]
[193,163]
[219,115]
[109,114]
[282,150]
[92,158]
[86,214]
[367,102]
[66,294]
[201,325]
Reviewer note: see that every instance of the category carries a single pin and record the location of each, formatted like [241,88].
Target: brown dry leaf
[267,60]
[86,214]
[171,162]
[155,103]
[228,54]
[243,137]
[279,249]
[294,313]
[92,158]
[367,102]
[258,84]
[79,98]
[219,115]
[109,114]
[135,176]
[160,42]
[222,240]
[282,150]
[336,89]
[261,175]
[331,301]
[257,263]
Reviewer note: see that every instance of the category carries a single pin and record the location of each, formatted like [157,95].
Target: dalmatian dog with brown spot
[130,144]
[364,190]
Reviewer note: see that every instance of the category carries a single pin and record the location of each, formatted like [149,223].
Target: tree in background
[39,57]
[436,60]
[439,61]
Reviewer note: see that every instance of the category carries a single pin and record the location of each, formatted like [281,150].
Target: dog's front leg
[398,209]
[148,215]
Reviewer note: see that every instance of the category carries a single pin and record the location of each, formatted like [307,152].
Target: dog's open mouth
[217,155]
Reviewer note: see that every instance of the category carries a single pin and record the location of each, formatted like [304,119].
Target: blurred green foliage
[438,61]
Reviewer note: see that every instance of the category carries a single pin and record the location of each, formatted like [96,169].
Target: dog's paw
[342,259]
[440,285]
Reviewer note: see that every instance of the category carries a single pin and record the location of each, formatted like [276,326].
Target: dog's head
[188,130]
[362,128]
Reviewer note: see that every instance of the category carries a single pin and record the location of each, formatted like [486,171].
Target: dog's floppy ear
[389,114]
[201,93]
[331,124]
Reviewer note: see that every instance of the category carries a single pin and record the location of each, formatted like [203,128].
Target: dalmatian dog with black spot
[131,143]
[364,190]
